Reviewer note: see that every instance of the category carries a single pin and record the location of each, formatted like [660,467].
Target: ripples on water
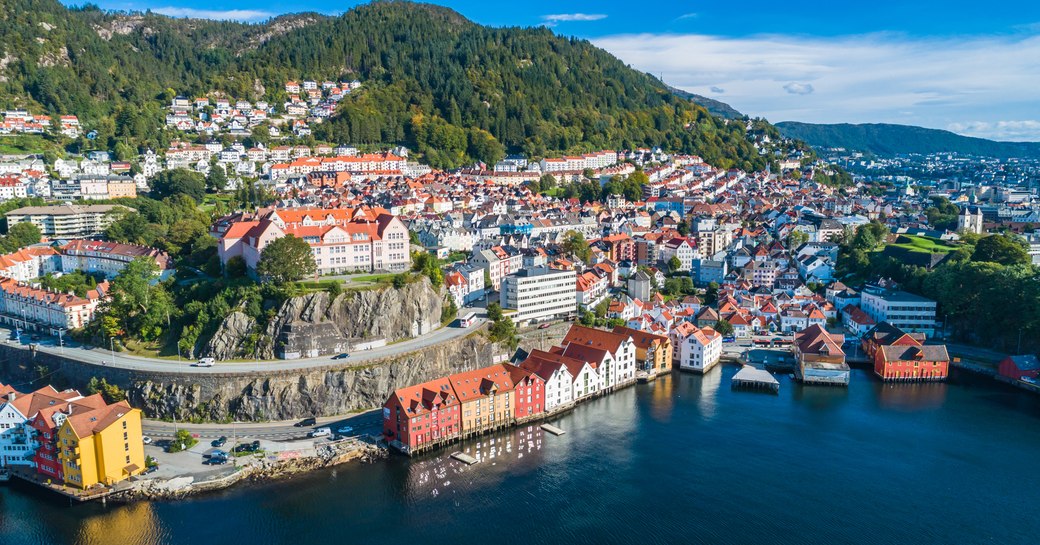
[682,460]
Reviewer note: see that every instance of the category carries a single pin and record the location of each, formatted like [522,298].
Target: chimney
[11,396]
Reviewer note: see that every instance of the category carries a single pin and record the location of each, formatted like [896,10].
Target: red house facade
[901,356]
[529,393]
[1016,367]
[422,416]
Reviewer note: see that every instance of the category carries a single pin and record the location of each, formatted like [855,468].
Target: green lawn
[18,144]
[915,243]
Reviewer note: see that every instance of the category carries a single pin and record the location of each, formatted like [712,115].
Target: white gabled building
[554,369]
[614,354]
[700,350]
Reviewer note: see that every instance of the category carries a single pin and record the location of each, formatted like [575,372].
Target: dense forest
[454,90]
[887,140]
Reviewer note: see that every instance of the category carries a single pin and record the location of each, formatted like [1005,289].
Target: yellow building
[486,396]
[653,352]
[101,446]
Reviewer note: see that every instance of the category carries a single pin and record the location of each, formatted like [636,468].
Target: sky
[966,66]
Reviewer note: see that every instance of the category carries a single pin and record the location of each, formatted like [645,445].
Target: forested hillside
[886,140]
[452,89]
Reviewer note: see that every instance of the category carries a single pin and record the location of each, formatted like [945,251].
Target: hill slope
[885,139]
[433,80]
[716,107]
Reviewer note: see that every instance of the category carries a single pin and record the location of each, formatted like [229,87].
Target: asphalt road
[366,423]
[104,357]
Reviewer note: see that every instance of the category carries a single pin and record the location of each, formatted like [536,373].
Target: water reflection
[498,455]
[126,525]
[707,401]
[911,397]
[820,397]
[662,397]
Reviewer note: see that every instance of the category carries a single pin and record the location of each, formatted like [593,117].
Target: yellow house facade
[102,446]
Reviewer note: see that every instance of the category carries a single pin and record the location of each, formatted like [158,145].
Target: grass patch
[375,278]
[18,144]
[928,245]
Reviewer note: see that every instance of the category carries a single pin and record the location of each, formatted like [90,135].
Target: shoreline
[255,470]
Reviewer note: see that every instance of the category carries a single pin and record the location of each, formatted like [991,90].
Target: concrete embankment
[337,388]
[268,468]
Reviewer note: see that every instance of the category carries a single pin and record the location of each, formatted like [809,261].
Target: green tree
[494,312]
[1003,249]
[182,440]
[23,234]
[140,306]
[711,295]
[286,259]
[724,328]
[216,179]
[674,264]
[796,239]
[575,245]
[178,181]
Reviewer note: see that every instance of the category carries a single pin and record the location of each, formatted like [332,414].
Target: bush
[182,440]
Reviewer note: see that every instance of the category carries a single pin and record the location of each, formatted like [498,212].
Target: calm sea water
[683,460]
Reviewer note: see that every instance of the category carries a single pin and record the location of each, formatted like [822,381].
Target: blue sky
[970,67]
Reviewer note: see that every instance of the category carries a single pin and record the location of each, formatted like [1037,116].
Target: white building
[67,220]
[539,294]
[554,369]
[909,312]
[700,351]
[614,354]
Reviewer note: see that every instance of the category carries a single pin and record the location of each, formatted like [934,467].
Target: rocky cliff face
[318,324]
[320,392]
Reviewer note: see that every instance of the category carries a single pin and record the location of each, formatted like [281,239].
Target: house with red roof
[422,416]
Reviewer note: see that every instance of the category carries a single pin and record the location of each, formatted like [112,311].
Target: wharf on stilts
[553,429]
[751,378]
[464,458]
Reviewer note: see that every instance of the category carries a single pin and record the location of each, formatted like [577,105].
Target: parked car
[215,453]
[244,447]
[215,460]
[152,469]
[306,422]
[146,440]
[544,326]
[219,442]
[256,446]
[345,430]
[729,339]
[321,432]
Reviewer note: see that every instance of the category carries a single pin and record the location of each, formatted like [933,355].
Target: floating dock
[750,378]
[552,429]
[464,458]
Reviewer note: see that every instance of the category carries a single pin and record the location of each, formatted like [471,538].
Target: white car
[146,440]
[321,432]
[344,430]
[205,362]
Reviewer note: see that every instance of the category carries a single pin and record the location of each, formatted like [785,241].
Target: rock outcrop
[331,390]
[229,338]
[318,324]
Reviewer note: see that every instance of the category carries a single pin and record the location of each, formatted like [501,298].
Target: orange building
[487,398]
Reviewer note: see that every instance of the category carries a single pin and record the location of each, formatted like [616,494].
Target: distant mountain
[886,139]
[451,89]
[716,107]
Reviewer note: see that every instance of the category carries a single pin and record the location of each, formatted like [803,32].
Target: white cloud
[1025,130]
[716,89]
[796,88]
[687,16]
[934,82]
[564,17]
[220,15]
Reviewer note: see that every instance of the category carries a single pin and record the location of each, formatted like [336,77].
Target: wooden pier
[464,458]
[553,429]
[750,378]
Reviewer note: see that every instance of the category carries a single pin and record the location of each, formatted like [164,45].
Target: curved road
[103,357]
